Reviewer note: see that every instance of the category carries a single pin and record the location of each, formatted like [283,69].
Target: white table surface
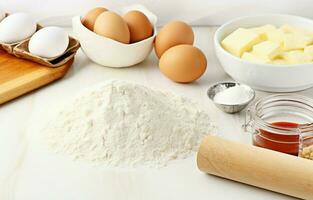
[29,173]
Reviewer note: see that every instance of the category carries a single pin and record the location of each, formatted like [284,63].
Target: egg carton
[20,50]
[8,47]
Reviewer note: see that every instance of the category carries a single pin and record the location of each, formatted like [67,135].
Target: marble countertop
[28,174]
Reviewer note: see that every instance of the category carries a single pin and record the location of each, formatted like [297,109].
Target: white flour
[124,124]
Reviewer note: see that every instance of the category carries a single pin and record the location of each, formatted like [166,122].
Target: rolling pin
[256,166]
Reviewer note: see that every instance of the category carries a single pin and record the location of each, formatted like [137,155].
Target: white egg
[48,42]
[17,27]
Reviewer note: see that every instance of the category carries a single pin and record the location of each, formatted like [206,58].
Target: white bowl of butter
[270,52]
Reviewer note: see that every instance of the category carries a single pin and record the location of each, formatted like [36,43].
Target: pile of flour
[124,124]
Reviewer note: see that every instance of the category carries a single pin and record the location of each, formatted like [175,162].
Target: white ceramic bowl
[110,53]
[266,77]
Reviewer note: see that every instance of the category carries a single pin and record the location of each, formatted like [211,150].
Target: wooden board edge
[25,86]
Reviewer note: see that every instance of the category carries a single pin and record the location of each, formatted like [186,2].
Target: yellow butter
[266,50]
[309,50]
[295,41]
[286,28]
[279,61]
[271,32]
[268,44]
[241,40]
[296,57]
[296,37]
[252,58]
[276,36]
[263,29]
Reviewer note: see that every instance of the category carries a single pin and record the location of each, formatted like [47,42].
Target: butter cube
[295,37]
[286,28]
[276,36]
[252,58]
[309,50]
[295,41]
[279,61]
[263,29]
[241,40]
[271,32]
[266,50]
[296,57]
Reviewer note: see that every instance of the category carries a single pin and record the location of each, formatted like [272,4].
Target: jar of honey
[282,122]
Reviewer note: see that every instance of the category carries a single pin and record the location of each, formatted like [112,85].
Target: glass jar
[282,122]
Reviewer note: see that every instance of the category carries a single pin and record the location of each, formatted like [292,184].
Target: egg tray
[20,50]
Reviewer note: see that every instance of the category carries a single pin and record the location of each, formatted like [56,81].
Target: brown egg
[172,34]
[89,19]
[111,25]
[139,26]
[183,63]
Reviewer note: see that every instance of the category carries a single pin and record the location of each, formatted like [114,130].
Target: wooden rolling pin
[256,166]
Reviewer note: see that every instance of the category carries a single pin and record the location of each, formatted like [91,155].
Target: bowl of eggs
[269,52]
[114,40]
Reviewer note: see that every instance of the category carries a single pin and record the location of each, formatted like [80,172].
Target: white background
[196,12]
[29,174]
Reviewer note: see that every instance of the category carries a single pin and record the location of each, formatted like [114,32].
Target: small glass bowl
[282,122]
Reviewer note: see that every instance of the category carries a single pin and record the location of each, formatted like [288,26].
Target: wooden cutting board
[19,76]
